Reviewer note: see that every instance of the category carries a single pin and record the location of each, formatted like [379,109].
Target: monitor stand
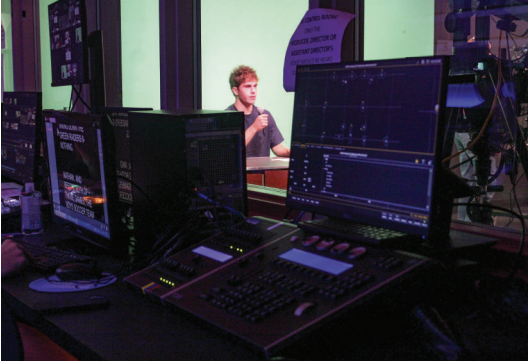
[458,241]
[78,245]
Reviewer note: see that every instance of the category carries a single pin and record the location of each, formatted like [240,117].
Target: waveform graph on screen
[368,108]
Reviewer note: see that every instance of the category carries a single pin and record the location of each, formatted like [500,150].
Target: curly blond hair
[241,74]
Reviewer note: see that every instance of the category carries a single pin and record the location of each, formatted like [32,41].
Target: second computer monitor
[21,135]
[83,188]
[367,142]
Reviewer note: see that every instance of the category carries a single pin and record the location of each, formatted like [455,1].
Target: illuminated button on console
[356,252]
[340,248]
[324,244]
[311,240]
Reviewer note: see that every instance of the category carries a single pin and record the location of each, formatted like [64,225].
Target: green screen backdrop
[140,53]
[235,32]
[398,28]
[7,52]
[254,33]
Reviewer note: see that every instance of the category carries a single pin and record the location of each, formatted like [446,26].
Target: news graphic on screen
[21,114]
[83,187]
[68,48]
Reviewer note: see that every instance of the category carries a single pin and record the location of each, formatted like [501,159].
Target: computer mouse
[77,271]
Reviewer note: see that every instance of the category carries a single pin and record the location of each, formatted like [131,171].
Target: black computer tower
[119,118]
[186,161]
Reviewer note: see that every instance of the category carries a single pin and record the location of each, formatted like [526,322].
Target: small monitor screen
[366,141]
[68,47]
[82,176]
[21,127]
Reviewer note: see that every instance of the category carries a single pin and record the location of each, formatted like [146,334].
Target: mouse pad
[52,284]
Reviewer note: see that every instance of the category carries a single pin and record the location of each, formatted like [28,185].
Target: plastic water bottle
[30,202]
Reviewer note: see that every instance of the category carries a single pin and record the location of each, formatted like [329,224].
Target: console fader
[294,285]
[228,247]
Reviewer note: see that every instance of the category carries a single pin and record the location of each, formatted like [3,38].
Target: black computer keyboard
[354,231]
[48,258]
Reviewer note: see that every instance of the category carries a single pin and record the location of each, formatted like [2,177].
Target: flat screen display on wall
[68,42]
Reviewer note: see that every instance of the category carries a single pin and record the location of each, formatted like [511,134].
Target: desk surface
[134,327]
[267,163]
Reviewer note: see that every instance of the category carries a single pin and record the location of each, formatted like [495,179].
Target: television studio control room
[368,201]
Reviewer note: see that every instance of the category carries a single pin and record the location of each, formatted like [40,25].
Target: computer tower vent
[200,125]
[219,159]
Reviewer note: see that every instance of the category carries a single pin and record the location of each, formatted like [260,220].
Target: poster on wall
[318,39]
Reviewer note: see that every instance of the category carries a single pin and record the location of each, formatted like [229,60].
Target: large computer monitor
[83,188]
[21,135]
[68,42]
[367,143]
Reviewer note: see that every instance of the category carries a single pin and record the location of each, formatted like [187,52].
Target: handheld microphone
[260,112]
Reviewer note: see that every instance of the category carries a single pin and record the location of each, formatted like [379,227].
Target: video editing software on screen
[365,141]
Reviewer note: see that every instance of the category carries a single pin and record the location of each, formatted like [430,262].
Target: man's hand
[13,257]
[261,122]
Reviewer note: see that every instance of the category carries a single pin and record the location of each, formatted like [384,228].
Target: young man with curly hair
[261,132]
